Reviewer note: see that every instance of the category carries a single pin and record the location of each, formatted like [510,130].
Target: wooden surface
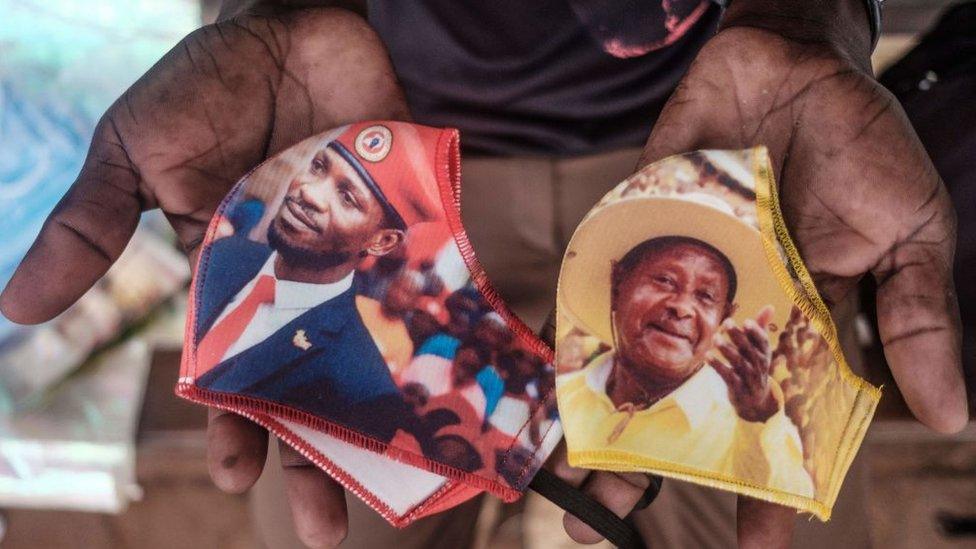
[923,487]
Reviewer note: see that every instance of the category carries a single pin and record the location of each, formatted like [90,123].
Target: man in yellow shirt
[664,398]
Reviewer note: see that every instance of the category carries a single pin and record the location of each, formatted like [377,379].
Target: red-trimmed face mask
[338,303]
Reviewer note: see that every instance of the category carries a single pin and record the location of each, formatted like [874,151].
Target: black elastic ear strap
[587,509]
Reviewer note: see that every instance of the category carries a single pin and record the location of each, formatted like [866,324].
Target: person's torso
[536,78]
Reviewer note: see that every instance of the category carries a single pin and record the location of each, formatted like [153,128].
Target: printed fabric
[347,314]
[692,343]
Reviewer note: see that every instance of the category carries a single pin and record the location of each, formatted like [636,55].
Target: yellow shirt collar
[696,397]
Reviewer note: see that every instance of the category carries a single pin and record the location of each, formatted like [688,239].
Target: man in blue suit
[279,321]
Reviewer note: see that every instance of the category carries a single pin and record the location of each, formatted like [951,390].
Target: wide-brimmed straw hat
[612,230]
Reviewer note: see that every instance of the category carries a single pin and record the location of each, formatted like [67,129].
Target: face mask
[338,303]
[692,343]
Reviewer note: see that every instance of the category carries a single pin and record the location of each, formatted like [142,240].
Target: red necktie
[222,335]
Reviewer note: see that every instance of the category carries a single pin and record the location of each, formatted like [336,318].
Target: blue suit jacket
[341,377]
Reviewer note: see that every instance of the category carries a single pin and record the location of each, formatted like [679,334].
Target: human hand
[858,192]
[804,354]
[802,351]
[746,367]
[225,98]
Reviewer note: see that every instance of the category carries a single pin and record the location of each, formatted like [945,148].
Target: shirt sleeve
[771,453]
[783,450]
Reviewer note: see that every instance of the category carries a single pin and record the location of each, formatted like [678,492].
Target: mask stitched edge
[187,389]
[773,229]
[451,200]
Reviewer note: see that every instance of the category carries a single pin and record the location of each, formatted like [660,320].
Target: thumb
[548,331]
[82,237]
[763,525]
[682,127]
[918,321]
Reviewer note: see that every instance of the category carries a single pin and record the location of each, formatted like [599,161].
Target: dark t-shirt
[534,76]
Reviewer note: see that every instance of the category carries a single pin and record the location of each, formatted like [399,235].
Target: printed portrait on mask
[686,347]
[334,303]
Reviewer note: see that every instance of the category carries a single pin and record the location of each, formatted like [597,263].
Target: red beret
[397,161]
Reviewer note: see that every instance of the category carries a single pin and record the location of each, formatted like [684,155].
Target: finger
[796,316]
[735,359]
[236,450]
[748,347]
[318,503]
[82,237]
[618,492]
[819,351]
[918,321]
[559,464]
[765,316]
[678,128]
[757,335]
[787,347]
[728,374]
[763,525]
[548,332]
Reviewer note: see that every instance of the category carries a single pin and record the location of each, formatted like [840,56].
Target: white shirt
[510,417]
[431,371]
[475,396]
[290,301]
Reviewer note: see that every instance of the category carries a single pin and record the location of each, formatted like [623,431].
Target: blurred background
[95,449]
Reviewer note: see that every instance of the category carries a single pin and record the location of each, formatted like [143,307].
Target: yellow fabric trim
[626,462]
[773,229]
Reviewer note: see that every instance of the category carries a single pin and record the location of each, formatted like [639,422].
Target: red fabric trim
[250,406]
[444,500]
[188,361]
[339,474]
[448,172]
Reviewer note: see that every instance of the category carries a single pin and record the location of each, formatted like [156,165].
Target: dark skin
[467,364]
[400,296]
[746,368]
[328,221]
[859,193]
[667,310]
[222,100]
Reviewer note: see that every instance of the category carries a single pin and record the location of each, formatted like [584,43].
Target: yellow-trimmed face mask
[691,341]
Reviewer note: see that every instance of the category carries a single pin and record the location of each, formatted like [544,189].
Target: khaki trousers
[520,214]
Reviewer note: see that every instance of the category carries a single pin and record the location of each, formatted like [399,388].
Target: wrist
[841,26]
[761,410]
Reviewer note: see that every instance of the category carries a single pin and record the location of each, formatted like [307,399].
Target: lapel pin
[301,341]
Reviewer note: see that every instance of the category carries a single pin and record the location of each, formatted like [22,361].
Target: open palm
[858,193]
[225,98]
[857,190]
